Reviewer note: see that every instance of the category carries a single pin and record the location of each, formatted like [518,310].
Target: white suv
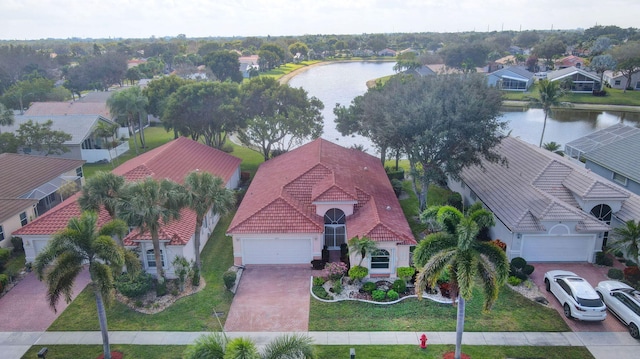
[623,301]
[577,297]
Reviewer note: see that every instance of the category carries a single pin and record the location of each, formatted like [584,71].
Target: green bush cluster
[320,292]
[369,287]
[5,254]
[337,287]
[514,281]
[229,278]
[318,281]
[4,281]
[195,276]
[378,295]
[134,285]
[406,273]
[399,286]
[395,174]
[603,260]
[358,272]
[520,269]
[18,245]
[615,273]
[392,295]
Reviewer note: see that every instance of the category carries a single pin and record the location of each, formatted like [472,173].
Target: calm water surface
[342,82]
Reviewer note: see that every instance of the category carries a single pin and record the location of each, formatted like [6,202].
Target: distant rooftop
[577,148]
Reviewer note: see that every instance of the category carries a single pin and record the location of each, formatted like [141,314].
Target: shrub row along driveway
[593,274]
[271,299]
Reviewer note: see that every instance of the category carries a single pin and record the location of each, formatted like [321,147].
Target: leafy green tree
[627,56]
[278,116]
[468,261]
[6,116]
[299,48]
[601,45]
[22,93]
[407,61]
[362,246]
[271,56]
[218,346]
[210,110]
[549,95]
[225,65]
[147,205]
[158,92]
[465,56]
[102,190]
[105,70]
[602,63]
[65,256]
[130,105]
[39,137]
[550,47]
[527,39]
[9,143]
[627,239]
[133,74]
[206,192]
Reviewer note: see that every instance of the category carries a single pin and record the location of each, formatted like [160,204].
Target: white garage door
[557,249]
[276,251]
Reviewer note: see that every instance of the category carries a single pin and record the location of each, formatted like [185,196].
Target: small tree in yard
[363,246]
[181,268]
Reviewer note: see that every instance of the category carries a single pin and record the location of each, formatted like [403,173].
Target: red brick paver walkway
[25,307]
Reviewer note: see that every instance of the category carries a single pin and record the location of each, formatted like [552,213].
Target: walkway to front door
[271,299]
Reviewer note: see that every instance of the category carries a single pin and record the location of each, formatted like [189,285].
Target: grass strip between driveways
[511,313]
[330,351]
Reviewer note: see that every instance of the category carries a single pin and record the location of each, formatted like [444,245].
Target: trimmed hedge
[133,286]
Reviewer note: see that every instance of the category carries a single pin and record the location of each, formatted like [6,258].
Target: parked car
[623,301]
[577,297]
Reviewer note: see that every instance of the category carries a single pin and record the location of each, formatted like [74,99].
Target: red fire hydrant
[423,341]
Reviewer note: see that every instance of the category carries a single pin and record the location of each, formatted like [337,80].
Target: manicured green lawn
[511,313]
[193,313]
[154,137]
[330,351]
[614,97]
[287,68]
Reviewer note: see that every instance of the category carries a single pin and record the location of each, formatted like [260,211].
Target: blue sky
[36,19]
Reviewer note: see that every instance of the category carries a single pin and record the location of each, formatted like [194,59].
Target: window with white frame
[620,179]
[151,258]
[616,82]
[23,219]
[380,259]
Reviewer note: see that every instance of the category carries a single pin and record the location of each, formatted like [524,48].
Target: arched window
[151,258]
[380,259]
[334,228]
[603,213]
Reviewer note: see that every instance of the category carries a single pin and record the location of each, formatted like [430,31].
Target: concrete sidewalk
[602,345]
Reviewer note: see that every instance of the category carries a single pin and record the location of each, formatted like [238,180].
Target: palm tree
[549,93]
[205,192]
[147,205]
[554,147]
[83,242]
[627,240]
[105,131]
[130,103]
[363,246]
[466,259]
[217,346]
[6,116]
[101,190]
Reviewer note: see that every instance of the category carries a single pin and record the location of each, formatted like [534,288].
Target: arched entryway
[335,232]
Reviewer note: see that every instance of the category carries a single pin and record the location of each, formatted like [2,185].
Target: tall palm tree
[6,116]
[627,240]
[554,147]
[83,242]
[466,259]
[549,95]
[363,246]
[204,192]
[106,131]
[101,190]
[147,205]
[217,346]
[131,104]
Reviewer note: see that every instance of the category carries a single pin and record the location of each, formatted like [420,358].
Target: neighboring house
[247,64]
[422,71]
[618,81]
[409,49]
[135,62]
[569,61]
[174,161]
[580,80]
[69,108]
[618,161]
[577,148]
[547,207]
[84,143]
[387,52]
[320,194]
[511,79]
[28,188]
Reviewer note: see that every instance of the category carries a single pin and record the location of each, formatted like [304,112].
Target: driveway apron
[271,299]
[25,307]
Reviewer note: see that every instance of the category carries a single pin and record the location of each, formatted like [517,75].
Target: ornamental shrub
[528,269]
[134,285]
[632,274]
[318,281]
[615,273]
[618,254]
[358,272]
[320,292]
[229,278]
[399,286]
[378,295]
[393,295]
[518,262]
[195,275]
[335,270]
[5,254]
[368,287]
[18,246]
[4,280]
[630,263]
[514,281]
[337,287]
[406,273]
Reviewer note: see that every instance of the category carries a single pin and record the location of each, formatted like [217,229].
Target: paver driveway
[593,274]
[271,299]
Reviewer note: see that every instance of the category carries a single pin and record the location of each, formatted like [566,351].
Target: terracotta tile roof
[539,185]
[174,161]
[23,173]
[283,192]
[68,108]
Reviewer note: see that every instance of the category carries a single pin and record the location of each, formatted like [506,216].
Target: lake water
[342,82]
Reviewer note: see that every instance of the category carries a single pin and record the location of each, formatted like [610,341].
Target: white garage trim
[276,251]
[578,248]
